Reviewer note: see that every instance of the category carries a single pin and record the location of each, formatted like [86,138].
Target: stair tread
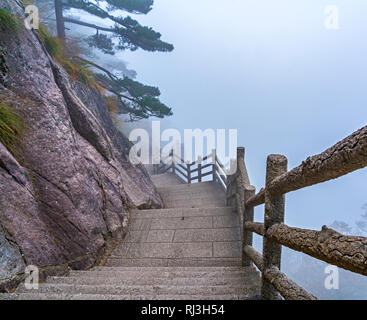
[43,296]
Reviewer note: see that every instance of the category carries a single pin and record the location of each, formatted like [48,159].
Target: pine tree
[137,100]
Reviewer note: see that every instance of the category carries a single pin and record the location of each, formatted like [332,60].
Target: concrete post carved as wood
[214,159]
[274,214]
[247,217]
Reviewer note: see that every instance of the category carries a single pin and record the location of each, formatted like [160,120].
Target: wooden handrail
[256,199]
[256,227]
[202,168]
[188,170]
[286,287]
[348,155]
[185,175]
[348,252]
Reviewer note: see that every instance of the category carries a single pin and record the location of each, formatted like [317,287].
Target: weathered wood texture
[257,199]
[346,156]
[348,252]
[248,217]
[286,287]
[254,255]
[214,161]
[242,180]
[274,213]
[256,227]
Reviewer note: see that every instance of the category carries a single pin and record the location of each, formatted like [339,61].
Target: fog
[273,71]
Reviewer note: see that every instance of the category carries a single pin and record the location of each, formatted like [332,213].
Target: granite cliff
[68,189]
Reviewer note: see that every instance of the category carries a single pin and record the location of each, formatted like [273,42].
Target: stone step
[169,270]
[183,212]
[191,190]
[208,202]
[53,296]
[151,262]
[182,223]
[240,289]
[149,280]
[179,212]
[207,185]
[176,250]
[166,179]
[156,275]
[176,235]
[189,197]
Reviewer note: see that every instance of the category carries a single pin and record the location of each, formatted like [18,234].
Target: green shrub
[9,21]
[52,44]
[77,69]
[11,126]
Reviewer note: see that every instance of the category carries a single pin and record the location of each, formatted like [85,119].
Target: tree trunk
[59,19]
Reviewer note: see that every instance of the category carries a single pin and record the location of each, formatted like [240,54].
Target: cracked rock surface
[70,186]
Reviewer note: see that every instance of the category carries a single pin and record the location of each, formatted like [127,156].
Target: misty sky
[273,71]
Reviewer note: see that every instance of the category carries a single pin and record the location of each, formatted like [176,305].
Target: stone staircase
[189,250]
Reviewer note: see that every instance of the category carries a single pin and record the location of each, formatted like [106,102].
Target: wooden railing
[348,252]
[195,171]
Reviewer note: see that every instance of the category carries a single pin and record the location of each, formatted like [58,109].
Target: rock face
[70,186]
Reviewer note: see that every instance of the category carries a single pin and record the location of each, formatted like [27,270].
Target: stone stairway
[189,250]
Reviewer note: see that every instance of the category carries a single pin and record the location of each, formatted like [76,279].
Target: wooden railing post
[274,213]
[199,168]
[248,216]
[172,162]
[173,168]
[188,173]
[60,24]
[240,184]
[214,159]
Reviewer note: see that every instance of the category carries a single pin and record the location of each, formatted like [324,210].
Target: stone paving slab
[227,221]
[170,250]
[166,180]
[160,236]
[139,224]
[207,185]
[191,196]
[167,270]
[194,203]
[175,262]
[212,235]
[136,236]
[182,223]
[182,212]
[227,249]
[144,289]
[79,296]
[150,280]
